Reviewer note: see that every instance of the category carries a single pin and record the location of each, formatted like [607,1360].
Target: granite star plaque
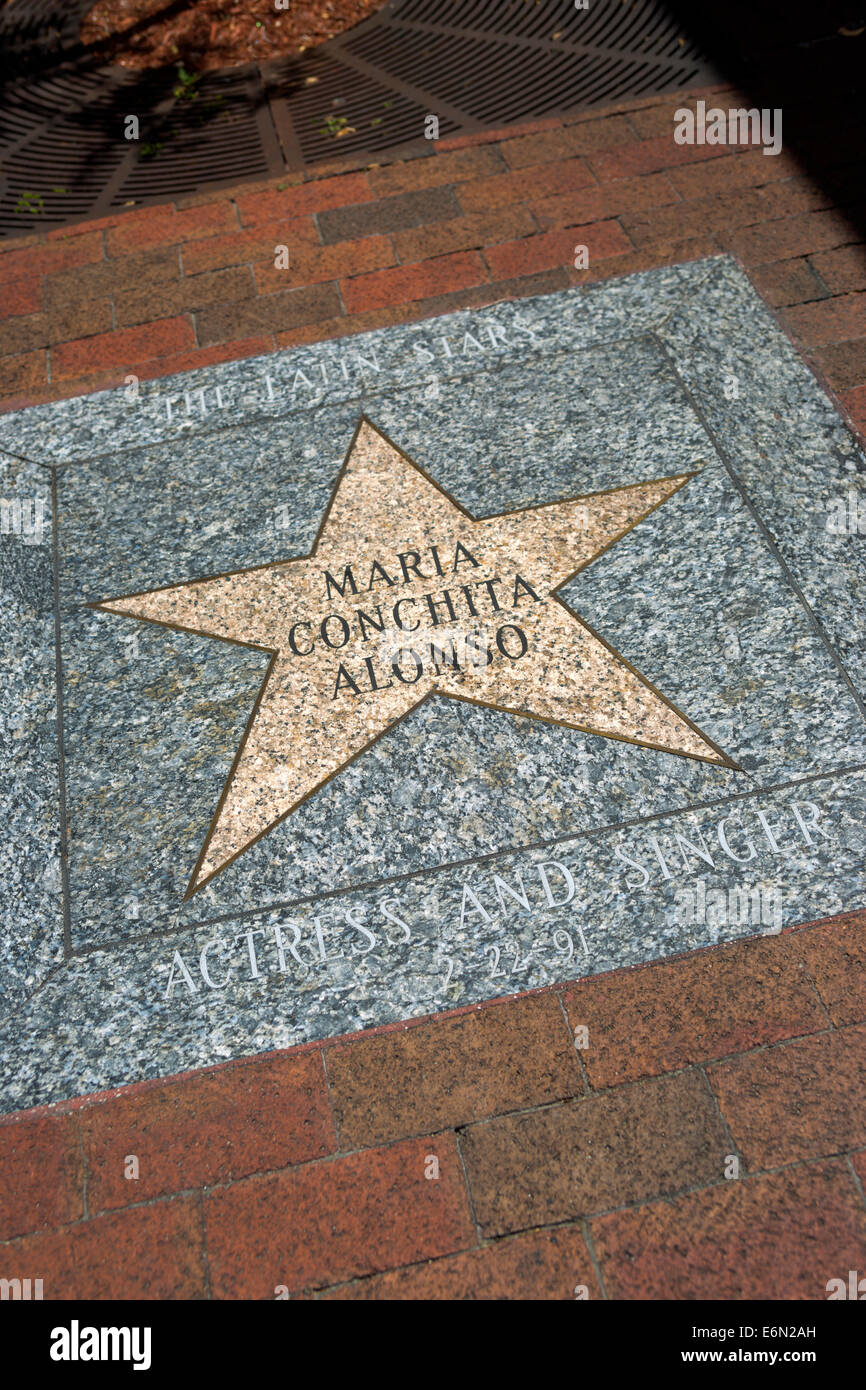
[373,679]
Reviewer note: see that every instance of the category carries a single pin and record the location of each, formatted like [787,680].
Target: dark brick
[25,372]
[674,1013]
[829,320]
[335,1220]
[835,956]
[182,295]
[800,1099]
[266,314]
[724,212]
[103,279]
[788,236]
[646,156]
[534,1266]
[843,364]
[74,320]
[777,1237]
[439,169]
[787,282]
[447,1073]
[567,141]
[387,215]
[597,1152]
[841,270]
[742,169]
[594,204]
[40,1173]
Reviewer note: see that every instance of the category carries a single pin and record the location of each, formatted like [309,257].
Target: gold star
[405,595]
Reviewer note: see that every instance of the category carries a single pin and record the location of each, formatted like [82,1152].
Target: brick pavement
[605,1168]
[485,217]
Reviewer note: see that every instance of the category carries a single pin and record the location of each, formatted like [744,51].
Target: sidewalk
[481,219]
[711,1141]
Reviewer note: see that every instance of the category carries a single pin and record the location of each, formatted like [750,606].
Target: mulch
[208,34]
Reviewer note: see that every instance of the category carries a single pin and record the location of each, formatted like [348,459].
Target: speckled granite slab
[194,877]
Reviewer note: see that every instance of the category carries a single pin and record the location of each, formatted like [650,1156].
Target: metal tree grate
[471,63]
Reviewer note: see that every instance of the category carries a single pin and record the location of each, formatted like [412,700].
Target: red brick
[855,403]
[104,279]
[26,372]
[543,252]
[787,282]
[476,229]
[312,265]
[140,230]
[439,169]
[40,1173]
[124,348]
[800,1099]
[77,319]
[405,283]
[782,1236]
[673,1013]
[187,293]
[600,1151]
[267,313]
[828,321]
[597,203]
[21,297]
[453,1071]
[534,1266]
[334,1220]
[743,169]
[417,311]
[567,141]
[314,196]
[724,212]
[843,364]
[151,1252]
[98,224]
[484,137]
[243,248]
[47,260]
[656,253]
[207,1128]
[841,270]
[859,1163]
[113,378]
[835,956]
[645,156]
[479,195]
[788,236]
